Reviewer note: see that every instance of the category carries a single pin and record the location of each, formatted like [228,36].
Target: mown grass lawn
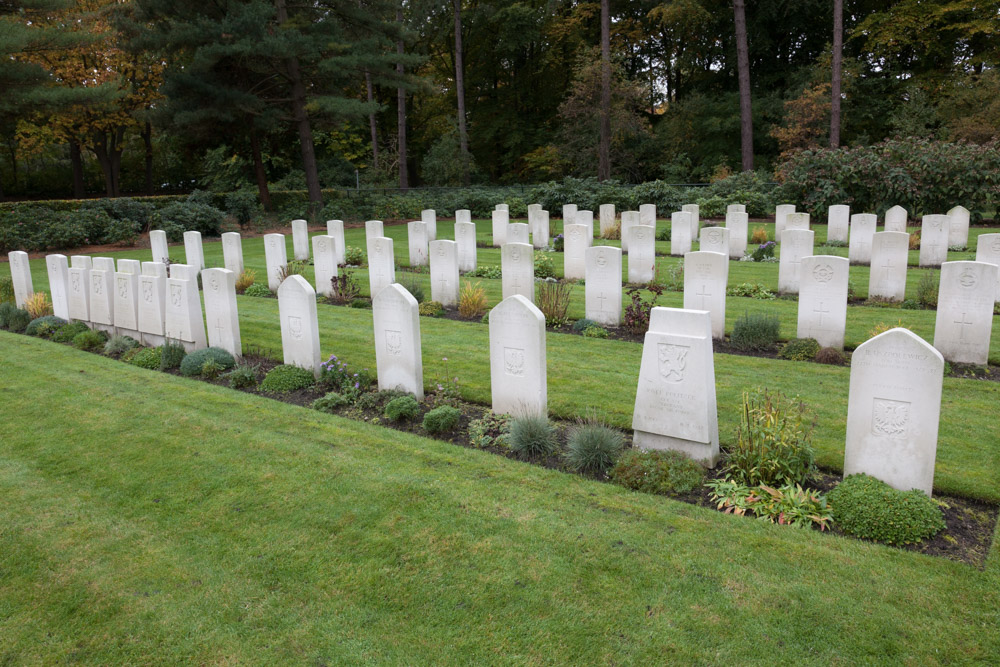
[153,519]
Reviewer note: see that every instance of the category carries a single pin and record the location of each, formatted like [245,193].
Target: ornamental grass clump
[38,305]
[553,300]
[773,442]
[171,355]
[472,300]
[245,280]
[118,345]
[755,332]
[532,436]
[871,509]
[592,447]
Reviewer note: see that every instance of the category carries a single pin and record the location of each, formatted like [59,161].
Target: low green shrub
[354,256]
[330,402]
[665,473]
[532,435]
[752,291]
[7,308]
[211,369]
[927,290]
[90,340]
[492,430]
[593,448]
[44,326]
[544,267]
[361,303]
[193,363]
[595,332]
[243,376]
[755,331]
[118,345]
[441,419]
[18,320]
[582,324]
[871,509]
[831,356]
[773,441]
[431,308]
[258,290]
[286,378]
[789,505]
[67,333]
[187,216]
[147,357]
[403,408]
[492,272]
[800,349]
[6,289]
[171,355]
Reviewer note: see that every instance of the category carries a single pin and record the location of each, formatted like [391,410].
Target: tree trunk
[838,49]
[463,136]
[302,124]
[147,140]
[371,119]
[104,151]
[604,144]
[76,159]
[743,65]
[258,170]
[404,177]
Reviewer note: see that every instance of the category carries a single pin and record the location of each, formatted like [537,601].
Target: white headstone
[958,228]
[705,275]
[838,222]
[373,229]
[335,228]
[796,220]
[126,298]
[540,229]
[79,288]
[381,264]
[182,318]
[444,272]
[518,232]
[934,240]
[275,258]
[895,219]
[576,240]
[232,252]
[130,266]
[102,302]
[194,254]
[58,270]
[863,226]
[607,213]
[158,244]
[738,225]
[502,207]
[629,220]
[736,208]
[517,358]
[641,254]
[179,271]
[988,251]
[675,405]
[152,303]
[501,219]
[429,217]
[680,233]
[604,285]
[823,299]
[965,311]
[647,215]
[20,272]
[463,215]
[300,239]
[887,278]
[416,234]
[797,245]
[397,341]
[569,215]
[325,262]
[465,237]
[586,218]
[893,410]
[695,221]
[108,264]
[299,324]
[781,212]
[220,310]
[715,239]
[517,268]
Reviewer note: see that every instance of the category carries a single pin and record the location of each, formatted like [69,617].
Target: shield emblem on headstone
[672,361]
[295,326]
[393,342]
[147,291]
[123,287]
[513,361]
[74,280]
[175,295]
[97,285]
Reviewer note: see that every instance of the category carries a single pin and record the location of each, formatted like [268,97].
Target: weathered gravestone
[501,218]
[126,297]
[20,273]
[102,294]
[576,240]
[518,232]
[275,259]
[429,217]
[736,208]
[502,207]
[299,324]
[629,220]
[607,214]
[540,229]
[517,268]
[373,230]
[737,223]
[781,212]
[517,358]
[603,300]
[79,288]
[895,219]
[694,221]
[325,262]
[958,227]
[158,245]
[680,233]
[795,220]
[641,254]
[823,299]
[152,303]
[465,237]
[965,311]
[220,310]
[416,235]
[893,410]
[182,313]
[335,228]
[300,239]
[675,405]
[586,218]
[887,278]
[714,239]
[838,222]
[58,270]
[647,215]
[705,277]
[934,240]
[444,272]
[381,264]
[232,252]
[194,253]
[863,226]
[179,271]
[463,215]
[795,246]
[396,316]
[569,214]
[988,251]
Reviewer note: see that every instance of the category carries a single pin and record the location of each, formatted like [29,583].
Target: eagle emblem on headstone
[147,291]
[513,361]
[97,285]
[393,342]
[890,418]
[295,326]
[123,287]
[175,295]
[74,280]
[672,361]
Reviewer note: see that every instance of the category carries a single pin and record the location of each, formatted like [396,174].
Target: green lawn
[153,519]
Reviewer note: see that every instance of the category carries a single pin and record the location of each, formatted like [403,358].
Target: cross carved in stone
[962,324]
[886,268]
[218,327]
[820,311]
[704,294]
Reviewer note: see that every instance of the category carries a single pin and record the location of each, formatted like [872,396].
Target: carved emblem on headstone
[393,342]
[98,287]
[823,273]
[967,279]
[672,361]
[123,287]
[890,418]
[996,245]
[513,361]
[602,259]
[175,295]
[147,291]
[295,326]
[74,280]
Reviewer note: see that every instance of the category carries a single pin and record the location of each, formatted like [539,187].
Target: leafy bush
[800,349]
[582,324]
[593,447]
[431,308]
[329,403]
[258,290]
[757,331]
[147,357]
[293,267]
[211,369]
[67,333]
[666,473]
[772,442]
[927,290]
[44,325]
[344,289]
[595,332]
[636,315]
[789,505]
[492,430]
[871,509]
[758,236]
[482,271]
[403,408]
[90,340]
[764,251]
[360,302]
[190,216]
[354,256]
[441,419]
[245,280]
[38,305]
[6,310]
[171,355]
[412,285]
[532,436]
[544,267]
[831,356]
[123,233]
[17,320]
[192,364]
[286,378]
[553,300]
[752,291]
[472,300]
[243,376]
[118,345]
[664,233]
[6,289]
[243,205]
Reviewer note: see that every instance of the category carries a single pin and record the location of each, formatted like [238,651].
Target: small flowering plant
[447,390]
[557,243]
[764,251]
[336,376]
